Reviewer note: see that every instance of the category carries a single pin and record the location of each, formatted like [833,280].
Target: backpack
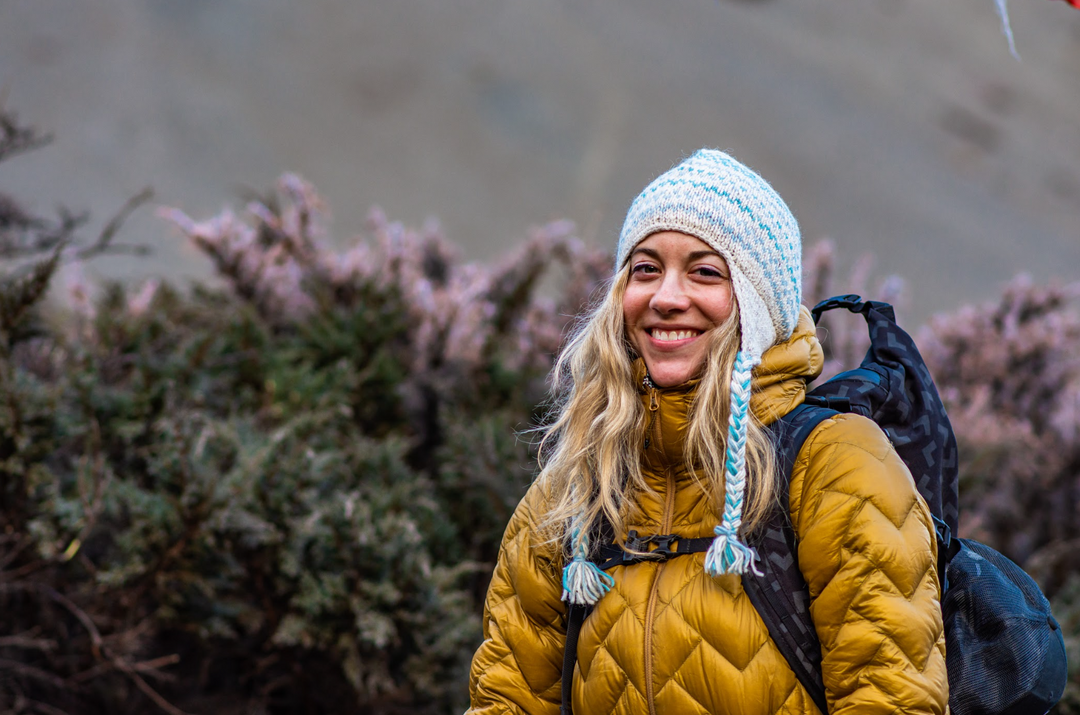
[1005,653]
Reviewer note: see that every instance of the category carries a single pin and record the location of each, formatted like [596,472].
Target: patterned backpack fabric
[1005,653]
[1003,649]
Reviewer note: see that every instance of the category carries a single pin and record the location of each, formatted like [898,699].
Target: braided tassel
[583,581]
[726,554]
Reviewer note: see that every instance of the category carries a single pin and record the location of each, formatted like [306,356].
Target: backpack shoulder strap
[576,614]
[791,431]
[575,618]
[781,596]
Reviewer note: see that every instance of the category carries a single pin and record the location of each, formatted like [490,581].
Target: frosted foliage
[1009,372]
[277,257]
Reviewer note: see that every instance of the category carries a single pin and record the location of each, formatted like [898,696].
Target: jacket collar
[786,368]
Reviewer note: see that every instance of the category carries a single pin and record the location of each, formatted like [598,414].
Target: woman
[662,400]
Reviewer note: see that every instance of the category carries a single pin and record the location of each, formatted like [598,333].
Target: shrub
[281,496]
[286,493]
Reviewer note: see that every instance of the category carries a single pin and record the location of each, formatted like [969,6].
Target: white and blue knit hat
[713,197]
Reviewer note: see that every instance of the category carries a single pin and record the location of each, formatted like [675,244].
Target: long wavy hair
[592,443]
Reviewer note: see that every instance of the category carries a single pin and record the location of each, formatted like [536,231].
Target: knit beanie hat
[714,198]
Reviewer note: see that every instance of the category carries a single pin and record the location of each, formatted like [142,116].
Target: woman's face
[679,289]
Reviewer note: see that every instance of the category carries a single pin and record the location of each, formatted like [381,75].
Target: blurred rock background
[901,128]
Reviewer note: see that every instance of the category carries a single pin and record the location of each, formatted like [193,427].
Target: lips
[668,336]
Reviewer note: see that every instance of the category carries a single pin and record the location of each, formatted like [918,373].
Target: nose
[670,295]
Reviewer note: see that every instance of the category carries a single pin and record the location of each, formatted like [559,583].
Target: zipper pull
[654,405]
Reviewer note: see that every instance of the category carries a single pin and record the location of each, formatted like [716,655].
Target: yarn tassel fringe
[584,583]
[727,555]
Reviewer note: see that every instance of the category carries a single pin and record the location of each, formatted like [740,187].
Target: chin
[671,377]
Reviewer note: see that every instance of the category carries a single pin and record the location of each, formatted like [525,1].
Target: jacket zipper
[653,431]
[650,610]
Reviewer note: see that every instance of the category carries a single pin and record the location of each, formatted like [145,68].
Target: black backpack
[1005,653]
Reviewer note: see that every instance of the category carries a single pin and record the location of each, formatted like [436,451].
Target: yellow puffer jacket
[670,640]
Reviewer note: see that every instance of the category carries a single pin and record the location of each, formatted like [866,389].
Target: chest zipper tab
[654,407]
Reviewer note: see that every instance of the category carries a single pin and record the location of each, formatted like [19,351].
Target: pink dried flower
[139,303]
[78,290]
[461,316]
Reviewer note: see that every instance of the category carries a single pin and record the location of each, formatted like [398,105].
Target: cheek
[720,305]
[634,306]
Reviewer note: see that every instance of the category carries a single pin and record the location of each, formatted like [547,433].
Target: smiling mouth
[667,336]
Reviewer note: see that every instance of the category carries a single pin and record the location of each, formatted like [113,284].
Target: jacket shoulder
[851,492]
[530,565]
[850,454]
[853,497]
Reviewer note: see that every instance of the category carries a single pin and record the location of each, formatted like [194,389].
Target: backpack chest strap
[659,547]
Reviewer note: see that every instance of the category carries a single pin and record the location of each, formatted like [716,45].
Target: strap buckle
[663,546]
[662,552]
[948,547]
[830,402]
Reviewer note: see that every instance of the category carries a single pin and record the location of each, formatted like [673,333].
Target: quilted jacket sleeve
[868,552]
[518,667]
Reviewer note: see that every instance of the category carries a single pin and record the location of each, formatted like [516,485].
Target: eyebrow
[693,255]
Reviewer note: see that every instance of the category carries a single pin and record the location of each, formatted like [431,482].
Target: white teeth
[669,335]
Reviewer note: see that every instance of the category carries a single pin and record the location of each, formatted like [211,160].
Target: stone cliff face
[902,129]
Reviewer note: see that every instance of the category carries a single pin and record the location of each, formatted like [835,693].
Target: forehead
[675,244]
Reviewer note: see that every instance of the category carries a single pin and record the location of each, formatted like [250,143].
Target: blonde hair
[590,453]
